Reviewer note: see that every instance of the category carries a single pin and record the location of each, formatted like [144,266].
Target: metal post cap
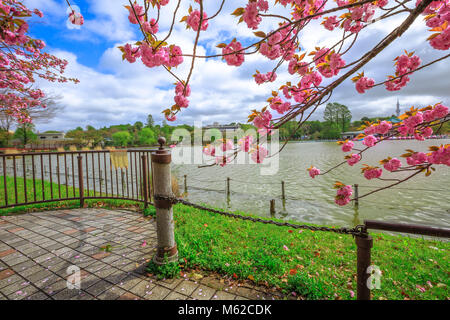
[161,155]
[162,142]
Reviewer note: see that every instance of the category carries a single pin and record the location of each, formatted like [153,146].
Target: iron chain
[359,230]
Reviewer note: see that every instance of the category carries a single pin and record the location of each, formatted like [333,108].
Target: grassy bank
[315,265]
[48,188]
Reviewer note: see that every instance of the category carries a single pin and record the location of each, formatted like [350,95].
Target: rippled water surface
[423,200]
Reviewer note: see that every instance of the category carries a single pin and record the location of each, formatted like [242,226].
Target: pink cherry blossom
[369,140]
[226,144]
[251,13]
[348,146]
[245,143]
[440,111]
[259,154]
[372,173]
[175,56]
[131,53]
[404,66]
[440,156]
[416,159]
[139,12]
[393,164]
[193,20]
[279,105]
[171,117]
[330,23]
[76,18]
[364,84]
[179,89]
[383,127]
[231,56]
[209,150]
[268,77]
[222,160]
[150,27]
[343,195]
[181,101]
[263,120]
[354,159]
[313,171]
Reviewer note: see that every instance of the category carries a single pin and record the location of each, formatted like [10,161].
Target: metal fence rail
[38,177]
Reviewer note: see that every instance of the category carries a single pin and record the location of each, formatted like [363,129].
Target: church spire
[397,111]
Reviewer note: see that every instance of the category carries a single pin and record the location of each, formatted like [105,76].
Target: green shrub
[310,287]
[168,270]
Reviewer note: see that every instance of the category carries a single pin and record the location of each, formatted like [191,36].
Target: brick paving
[36,250]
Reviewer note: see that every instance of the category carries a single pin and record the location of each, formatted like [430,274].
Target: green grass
[67,204]
[324,263]
[318,265]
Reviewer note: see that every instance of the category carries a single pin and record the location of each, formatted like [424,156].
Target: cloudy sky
[112,91]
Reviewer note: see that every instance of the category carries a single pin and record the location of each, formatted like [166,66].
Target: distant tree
[93,136]
[25,133]
[77,136]
[332,131]
[147,137]
[150,121]
[138,125]
[121,138]
[38,114]
[336,113]
[166,129]
[289,130]
[6,122]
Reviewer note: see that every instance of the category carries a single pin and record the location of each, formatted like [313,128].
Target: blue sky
[112,91]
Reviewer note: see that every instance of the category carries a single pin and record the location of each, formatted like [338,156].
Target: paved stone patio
[37,248]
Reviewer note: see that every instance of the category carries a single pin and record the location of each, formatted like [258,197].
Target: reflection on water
[420,200]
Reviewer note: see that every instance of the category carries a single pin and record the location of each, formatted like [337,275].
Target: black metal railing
[37,177]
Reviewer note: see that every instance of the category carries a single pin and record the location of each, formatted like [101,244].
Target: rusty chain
[359,230]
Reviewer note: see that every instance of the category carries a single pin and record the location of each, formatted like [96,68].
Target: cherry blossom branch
[374,52]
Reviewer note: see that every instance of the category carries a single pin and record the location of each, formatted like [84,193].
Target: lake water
[422,200]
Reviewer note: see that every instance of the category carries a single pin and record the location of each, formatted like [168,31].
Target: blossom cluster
[21,59]
[251,13]
[343,195]
[328,62]
[193,20]
[410,124]
[277,104]
[279,44]
[438,19]
[261,77]
[363,84]
[406,64]
[381,128]
[224,146]
[232,53]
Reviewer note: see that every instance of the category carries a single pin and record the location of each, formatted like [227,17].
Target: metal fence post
[167,248]
[356,195]
[272,207]
[185,183]
[364,246]
[80,180]
[283,194]
[144,180]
